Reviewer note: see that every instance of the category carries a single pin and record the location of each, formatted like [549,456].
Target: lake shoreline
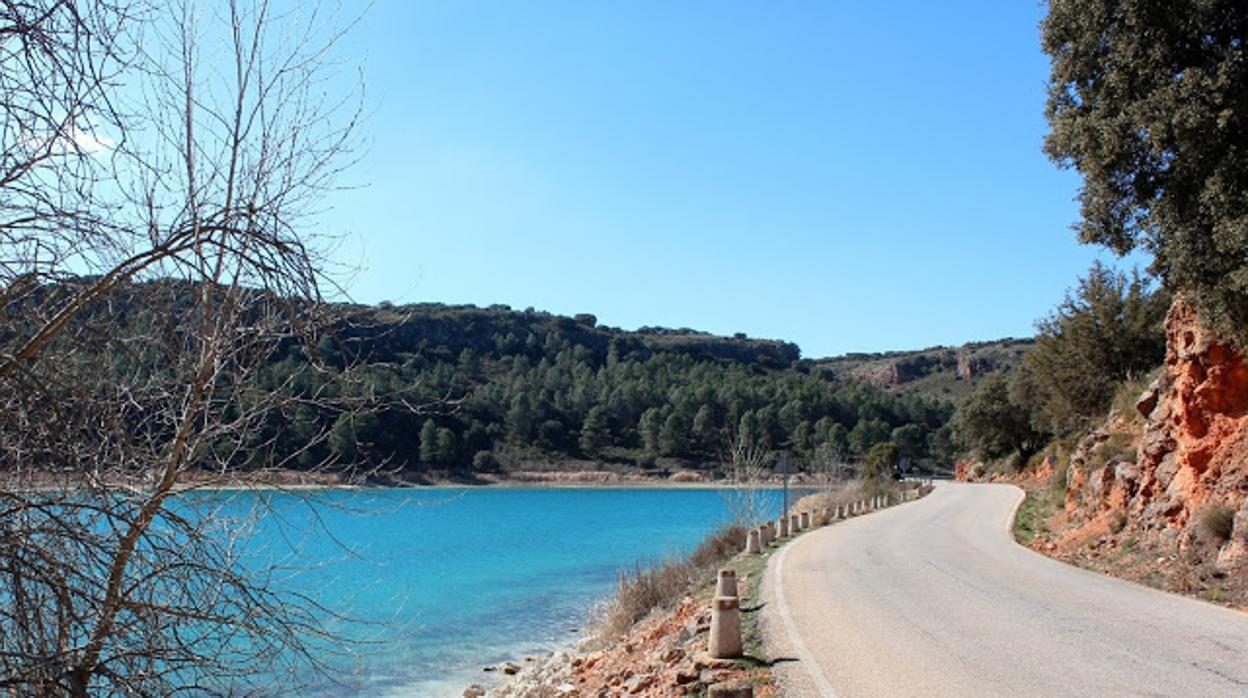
[294,480]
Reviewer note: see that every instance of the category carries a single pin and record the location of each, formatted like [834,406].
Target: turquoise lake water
[459,579]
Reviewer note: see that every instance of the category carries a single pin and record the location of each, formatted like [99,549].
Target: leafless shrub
[645,589]
[830,466]
[747,459]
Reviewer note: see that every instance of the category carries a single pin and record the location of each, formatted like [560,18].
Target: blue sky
[850,176]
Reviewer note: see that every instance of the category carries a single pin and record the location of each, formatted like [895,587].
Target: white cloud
[88,142]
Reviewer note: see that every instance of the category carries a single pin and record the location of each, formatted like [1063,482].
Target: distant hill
[938,373]
[439,331]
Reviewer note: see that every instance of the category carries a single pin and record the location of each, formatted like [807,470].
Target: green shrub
[1218,521]
[485,462]
[1029,520]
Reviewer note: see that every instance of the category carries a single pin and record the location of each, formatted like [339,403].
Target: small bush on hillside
[484,461]
[1218,521]
[1117,448]
[1117,522]
[1057,486]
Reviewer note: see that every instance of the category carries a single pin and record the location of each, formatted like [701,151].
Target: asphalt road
[934,598]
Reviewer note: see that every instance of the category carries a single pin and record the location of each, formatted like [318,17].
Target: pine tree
[595,431]
[429,442]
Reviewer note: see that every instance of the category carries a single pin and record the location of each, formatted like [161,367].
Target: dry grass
[646,589]
[1118,448]
[1129,391]
[847,493]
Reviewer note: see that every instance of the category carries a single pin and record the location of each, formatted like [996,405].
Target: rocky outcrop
[1189,454]
[662,656]
[972,365]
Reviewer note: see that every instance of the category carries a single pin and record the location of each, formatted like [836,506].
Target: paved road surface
[934,598]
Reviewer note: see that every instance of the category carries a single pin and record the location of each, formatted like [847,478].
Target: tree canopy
[1148,101]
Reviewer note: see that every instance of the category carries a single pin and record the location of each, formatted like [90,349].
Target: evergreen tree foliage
[429,442]
[532,386]
[994,426]
[1148,101]
[595,432]
[881,462]
[1110,329]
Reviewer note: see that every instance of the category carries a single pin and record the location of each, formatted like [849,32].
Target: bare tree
[831,465]
[159,165]
[747,459]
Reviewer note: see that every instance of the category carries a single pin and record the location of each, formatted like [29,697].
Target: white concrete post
[725,639]
[753,542]
[795,523]
[805,520]
[726,584]
[783,525]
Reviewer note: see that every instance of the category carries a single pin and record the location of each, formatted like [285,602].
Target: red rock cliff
[1193,450]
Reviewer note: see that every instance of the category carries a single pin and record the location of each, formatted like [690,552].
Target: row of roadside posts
[725,636]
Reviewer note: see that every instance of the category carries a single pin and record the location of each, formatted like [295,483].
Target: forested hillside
[462,388]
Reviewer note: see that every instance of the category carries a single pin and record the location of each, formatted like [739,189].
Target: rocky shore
[663,655]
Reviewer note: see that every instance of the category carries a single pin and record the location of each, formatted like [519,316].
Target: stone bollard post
[765,535]
[795,523]
[753,542]
[805,520]
[782,526]
[725,639]
[726,583]
[730,689]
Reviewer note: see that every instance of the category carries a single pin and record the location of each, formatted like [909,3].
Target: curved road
[934,598]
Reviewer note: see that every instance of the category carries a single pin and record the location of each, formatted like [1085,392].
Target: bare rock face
[970,366]
[1193,451]
[963,471]
[1197,434]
